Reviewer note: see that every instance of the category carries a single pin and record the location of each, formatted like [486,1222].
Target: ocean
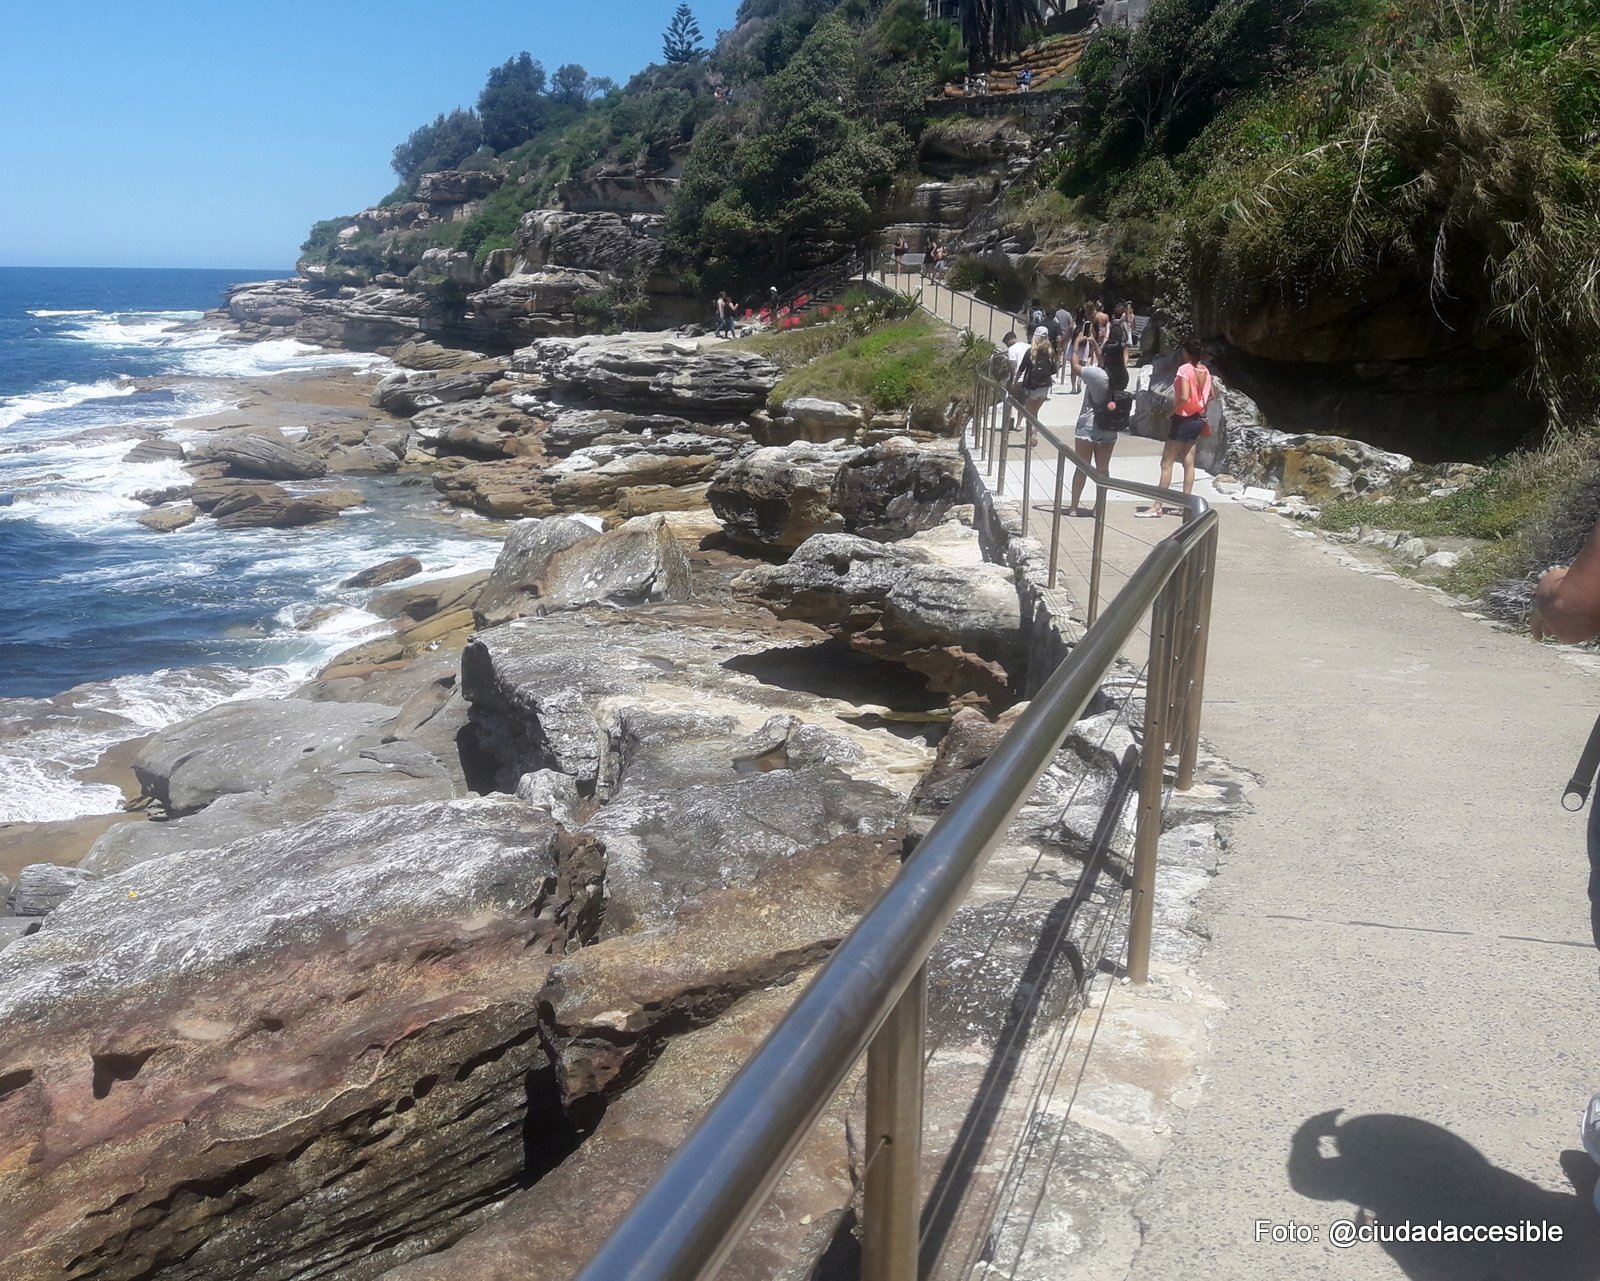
[109,631]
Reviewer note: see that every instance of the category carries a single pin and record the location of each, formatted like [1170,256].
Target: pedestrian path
[1399,933]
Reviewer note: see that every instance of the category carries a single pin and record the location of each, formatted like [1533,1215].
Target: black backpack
[1036,374]
[1118,419]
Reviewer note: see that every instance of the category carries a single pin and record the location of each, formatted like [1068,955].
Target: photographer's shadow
[1402,1170]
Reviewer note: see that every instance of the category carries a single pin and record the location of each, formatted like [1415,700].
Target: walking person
[1025,80]
[1016,349]
[1192,390]
[1035,374]
[1566,608]
[1082,356]
[901,249]
[1107,410]
[724,315]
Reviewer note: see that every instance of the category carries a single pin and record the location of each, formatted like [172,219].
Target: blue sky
[212,133]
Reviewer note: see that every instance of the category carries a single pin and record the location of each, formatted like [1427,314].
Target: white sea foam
[208,352]
[46,312]
[75,729]
[13,409]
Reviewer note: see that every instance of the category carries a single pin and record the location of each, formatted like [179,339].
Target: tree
[571,85]
[681,41]
[991,29]
[512,105]
[441,145]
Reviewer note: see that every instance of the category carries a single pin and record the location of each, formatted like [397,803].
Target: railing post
[1152,782]
[1055,517]
[1181,631]
[1097,555]
[891,1209]
[1005,441]
[1030,428]
[1189,739]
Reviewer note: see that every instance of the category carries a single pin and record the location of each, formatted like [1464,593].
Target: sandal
[1150,513]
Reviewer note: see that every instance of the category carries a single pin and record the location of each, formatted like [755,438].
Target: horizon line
[46,266]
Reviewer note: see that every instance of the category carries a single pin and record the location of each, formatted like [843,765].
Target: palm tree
[991,29]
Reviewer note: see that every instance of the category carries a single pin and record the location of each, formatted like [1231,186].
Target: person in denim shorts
[1105,388]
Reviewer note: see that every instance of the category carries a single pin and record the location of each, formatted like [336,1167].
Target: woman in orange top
[1192,389]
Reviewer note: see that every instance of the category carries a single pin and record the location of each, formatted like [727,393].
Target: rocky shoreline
[442,947]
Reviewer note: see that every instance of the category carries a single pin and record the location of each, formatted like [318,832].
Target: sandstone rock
[896,488]
[237,500]
[487,428]
[604,242]
[424,353]
[248,745]
[548,692]
[642,500]
[165,519]
[1442,561]
[419,600]
[676,376]
[554,793]
[530,304]
[780,495]
[388,571]
[1413,550]
[563,564]
[406,392]
[43,887]
[814,419]
[607,192]
[320,1042]
[290,512]
[573,429]
[457,186]
[207,495]
[1318,468]
[254,454]
[446,265]
[955,620]
[155,451]
[347,459]
[530,1237]
[590,481]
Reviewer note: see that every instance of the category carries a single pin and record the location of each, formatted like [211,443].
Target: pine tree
[681,40]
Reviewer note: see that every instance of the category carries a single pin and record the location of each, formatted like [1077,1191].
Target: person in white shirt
[1016,349]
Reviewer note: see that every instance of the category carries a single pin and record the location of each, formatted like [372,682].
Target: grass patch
[912,362]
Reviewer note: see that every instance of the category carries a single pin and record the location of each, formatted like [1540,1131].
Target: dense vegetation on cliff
[784,134]
[1258,155]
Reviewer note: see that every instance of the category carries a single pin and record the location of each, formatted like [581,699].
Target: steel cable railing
[870,996]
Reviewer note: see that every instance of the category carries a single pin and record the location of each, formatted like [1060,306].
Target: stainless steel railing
[871,994]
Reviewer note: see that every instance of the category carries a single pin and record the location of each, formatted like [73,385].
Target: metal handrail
[872,990]
[825,277]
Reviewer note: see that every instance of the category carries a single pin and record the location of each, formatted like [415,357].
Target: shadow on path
[1404,1171]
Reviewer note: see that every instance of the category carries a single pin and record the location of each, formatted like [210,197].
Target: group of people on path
[1097,356]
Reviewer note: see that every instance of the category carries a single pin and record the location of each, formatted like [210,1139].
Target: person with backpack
[1035,375]
[1192,392]
[1082,356]
[1107,412]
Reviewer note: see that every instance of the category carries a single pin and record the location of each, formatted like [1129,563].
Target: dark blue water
[90,595]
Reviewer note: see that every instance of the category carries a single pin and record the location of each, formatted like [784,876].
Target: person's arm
[1180,391]
[1567,605]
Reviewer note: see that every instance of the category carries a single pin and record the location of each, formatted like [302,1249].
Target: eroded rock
[780,495]
[563,564]
[319,1043]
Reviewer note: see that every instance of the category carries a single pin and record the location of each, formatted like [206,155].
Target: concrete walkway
[1399,930]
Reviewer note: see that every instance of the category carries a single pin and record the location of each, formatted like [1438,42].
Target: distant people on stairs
[1192,390]
[1107,410]
[1025,80]
[1035,374]
[1566,608]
